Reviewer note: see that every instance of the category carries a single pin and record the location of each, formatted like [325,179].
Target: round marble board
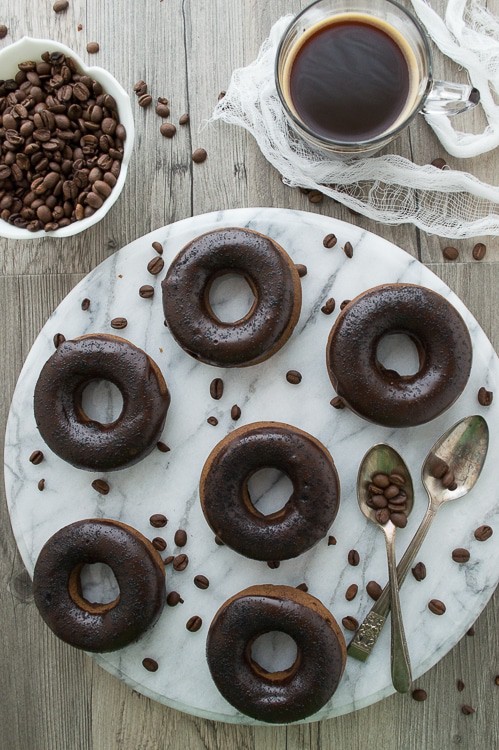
[168,482]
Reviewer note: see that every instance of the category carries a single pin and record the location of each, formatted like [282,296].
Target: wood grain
[54,697]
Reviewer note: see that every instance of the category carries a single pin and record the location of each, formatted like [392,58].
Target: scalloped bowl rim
[25,49]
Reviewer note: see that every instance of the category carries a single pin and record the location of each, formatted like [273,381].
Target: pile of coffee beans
[388,498]
[61,144]
[439,469]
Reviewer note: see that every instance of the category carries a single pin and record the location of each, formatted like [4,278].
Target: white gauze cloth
[388,188]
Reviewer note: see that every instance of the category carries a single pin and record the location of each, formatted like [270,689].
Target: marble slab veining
[168,482]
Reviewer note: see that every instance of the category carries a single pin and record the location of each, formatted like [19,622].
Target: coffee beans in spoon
[61,144]
[388,498]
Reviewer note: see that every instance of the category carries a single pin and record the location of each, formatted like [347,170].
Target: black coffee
[349,80]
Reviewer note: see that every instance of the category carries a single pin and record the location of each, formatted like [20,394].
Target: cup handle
[450,98]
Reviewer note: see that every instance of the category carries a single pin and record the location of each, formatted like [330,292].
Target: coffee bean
[217,388]
[193,623]
[351,592]
[301,269]
[273,564]
[201,582]
[174,598]
[439,163]
[391,491]
[460,685]
[328,307]
[294,377]
[235,412]
[199,155]
[485,397]
[180,538]
[450,253]
[348,249]
[397,479]
[467,710]
[36,457]
[479,251]
[419,571]
[448,479]
[329,241]
[93,48]
[168,560]
[158,247]
[168,129]
[158,520]
[101,486]
[471,631]
[85,304]
[146,291]
[382,516]
[184,119]
[145,100]
[41,485]
[213,421]
[374,590]
[353,557]
[155,265]
[379,501]
[302,587]
[221,95]
[438,467]
[350,623]
[483,533]
[180,562]
[331,540]
[419,694]
[162,447]
[159,543]
[60,5]
[150,664]
[436,606]
[119,323]
[337,402]
[398,519]
[381,480]
[460,555]
[140,87]
[496,680]
[58,339]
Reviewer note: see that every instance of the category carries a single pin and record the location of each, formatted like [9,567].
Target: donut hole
[101,401]
[273,654]
[93,587]
[230,297]
[269,490]
[400,354]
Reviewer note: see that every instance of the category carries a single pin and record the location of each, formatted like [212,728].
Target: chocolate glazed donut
[273,278]
[276,697]
[304,519]
[383,396]
[137,566]
[84,442]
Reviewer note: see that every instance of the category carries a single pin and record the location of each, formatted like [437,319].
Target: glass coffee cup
[352,75]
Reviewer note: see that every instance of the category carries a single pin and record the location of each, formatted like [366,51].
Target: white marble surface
[167,483]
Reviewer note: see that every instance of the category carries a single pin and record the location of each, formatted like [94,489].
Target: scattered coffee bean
[146,291]
[150,664]
[353,557]
[235,413]
[162,447]
[36,457]
[168,129]
[4,30]
[337,402]
[145,100]
[496,679]
[436,606]
[467,710]
[439,163]
[213,421]
[328,307]
[159,544]
[419,571]
[460,555]
[59,339]
[217,388]
[329,241]
[273,564]
[41,485]
[471,631]
[180,538]
[85,304]
[119,323]
[158,520]
[460,685]
[158,247]
[168,560]
[140,88]
[331,540]
[174,598]
[479,251]
[483,533]
[79,27]
[100,486]
[485,397]
[180,562]
[163,110]
[221,95]
[348,249]
[199,155]
[419,694]
[193,623]
[315,196]
[93,48]
[351,592]
[350,623]
[374,590]
[155,265]
[201,582]
[450,253]
[294,377]
[184,119]
[301,269]
[344,303]
[302,587]
[60,6]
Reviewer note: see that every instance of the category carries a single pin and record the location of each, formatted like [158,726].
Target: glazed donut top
[383,396]
[70,433]
[288,695]
[272,277]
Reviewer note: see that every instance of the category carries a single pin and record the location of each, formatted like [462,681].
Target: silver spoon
[464,448]
[383,459]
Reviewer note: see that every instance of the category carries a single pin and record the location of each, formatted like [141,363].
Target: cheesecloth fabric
[388,188]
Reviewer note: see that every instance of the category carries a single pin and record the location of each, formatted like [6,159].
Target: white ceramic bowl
[32,49]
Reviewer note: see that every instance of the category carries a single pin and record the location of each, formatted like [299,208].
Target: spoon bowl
[382,458]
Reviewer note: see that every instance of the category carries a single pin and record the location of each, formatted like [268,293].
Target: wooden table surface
[54,697]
